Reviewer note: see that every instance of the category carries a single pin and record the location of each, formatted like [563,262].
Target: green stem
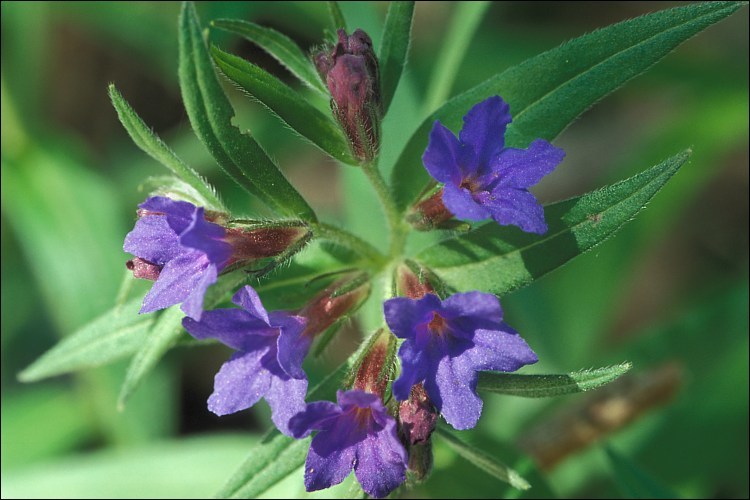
[343,237]
[392,213]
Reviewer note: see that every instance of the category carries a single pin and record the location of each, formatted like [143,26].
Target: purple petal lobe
[455,383]
[248,299]
[471,310]
[484,132]
[292,345]
[152,239]
[441,158]
[178,280]
[414,369]
[193,304]
[232,327]
[325,471]
[462,204]
[500,350]
[510,206]
[286,397]
[179,214]
[522,168]
[403,315]
[316,416]
[381,462]
[240,383]
[206,237]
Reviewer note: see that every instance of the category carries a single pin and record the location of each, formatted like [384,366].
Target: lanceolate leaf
[394,47]
[152,145]
[117,333]
[276,456]
[211,113]
[280,47]
[286,103]
[542,386]
[483,460]
[498,259]
[547,92]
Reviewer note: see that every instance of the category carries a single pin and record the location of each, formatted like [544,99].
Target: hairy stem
[392,213]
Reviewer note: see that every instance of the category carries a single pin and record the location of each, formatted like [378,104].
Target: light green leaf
[498,259]
[211,114]
[286,103]
[464,24]
[276,456]
[280,47]
[543,386]
[394,47]
[546,93]
[117,333]
[337,17]
[152,145]
[484,461]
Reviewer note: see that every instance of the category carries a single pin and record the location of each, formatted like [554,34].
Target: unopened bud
[375,369]
[253,244]
[350,70]
[431,213]
[417,416]
[144,269]
[334,302]
[412,283]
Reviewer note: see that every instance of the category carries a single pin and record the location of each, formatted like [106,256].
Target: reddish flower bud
[350,70]
[253,244]
[417,416]
[375,369]
[333,303]
[411,284]
[144,269]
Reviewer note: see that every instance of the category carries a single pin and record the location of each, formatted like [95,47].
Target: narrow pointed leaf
[286,103]
[498,259]
[276,456]
[118,333]
[546,93]
[394,47]
[280,47]
[483,460]
[210,113]
[337,17]
[543,386]
[464,23]
[153,146]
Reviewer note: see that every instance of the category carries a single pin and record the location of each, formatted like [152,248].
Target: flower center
[362,416]
[437,324]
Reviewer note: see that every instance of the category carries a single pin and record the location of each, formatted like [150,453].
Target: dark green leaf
[546,93]
[152,145]
[484,461]
[211,113]
[542,386]
[499,259]
[286,103]
[117,333]
[280,47]
[337,18]
[276,456]
[633,481]
[394,47]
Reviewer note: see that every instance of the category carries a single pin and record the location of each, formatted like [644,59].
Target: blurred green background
[669,292]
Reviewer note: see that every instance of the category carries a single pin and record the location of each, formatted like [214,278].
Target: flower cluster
[446,340]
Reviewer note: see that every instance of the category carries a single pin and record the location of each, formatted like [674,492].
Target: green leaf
[464,24]
[286,103]
[152,145]
[117,333]
[543,386]
[546,93]
[280,47]
[498,259]
[211,114]
[633,481]
[394,47]
[337,17]
[484,461]
[276,456]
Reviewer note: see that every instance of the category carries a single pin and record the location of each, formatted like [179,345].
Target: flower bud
[375,369]
[411,284]
[253,244]
[334,302]
[350,70]
[417,416]
[143,269]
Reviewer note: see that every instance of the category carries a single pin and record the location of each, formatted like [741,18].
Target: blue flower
[446,343]
[268,362]
[175,245]
[357,433]
[482,177]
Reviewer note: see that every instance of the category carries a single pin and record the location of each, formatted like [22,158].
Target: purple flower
[482,177]
[447,343]
[267,364]
[358,434]
[180,249]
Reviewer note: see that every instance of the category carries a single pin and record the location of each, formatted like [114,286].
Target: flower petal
[240,383]
[292,345]
[522,168]
[248,299]
[462,204]
[153,240]
[232,327]
[453,391]
[484,133]
[516,207]
[325,471]
[179,213]
[441,158]
[483,306]
[414,369]
[178,280]
[500,350]
[403,314]
[193,304]
[207,237]
[286,397]
[315,416]
[381,462]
